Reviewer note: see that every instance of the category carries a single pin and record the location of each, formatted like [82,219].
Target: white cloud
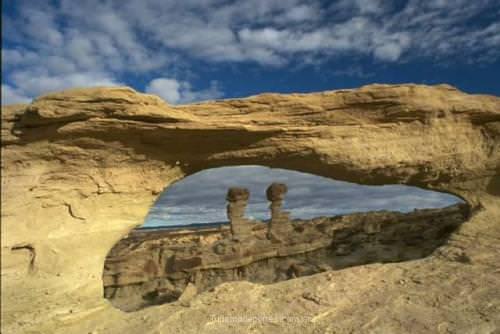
[353,71]
[168,89]
[300,13]
[34,83]
[13,58]
[212,92]
[272,32]
[76,44]
[40,25]
[268,37]
[308,196]
[11,95]
[174,91]
[371,6]
[389,51]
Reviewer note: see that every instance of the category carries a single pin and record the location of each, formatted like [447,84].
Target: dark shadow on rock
[208,257]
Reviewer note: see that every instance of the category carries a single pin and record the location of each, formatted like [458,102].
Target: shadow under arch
[156,266]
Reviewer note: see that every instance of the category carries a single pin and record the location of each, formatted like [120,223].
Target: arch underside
[83,167]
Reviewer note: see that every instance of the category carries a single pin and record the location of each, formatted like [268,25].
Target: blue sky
[194,50]
[201,198]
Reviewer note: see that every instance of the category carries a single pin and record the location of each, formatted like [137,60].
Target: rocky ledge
[81,168]
[150,268]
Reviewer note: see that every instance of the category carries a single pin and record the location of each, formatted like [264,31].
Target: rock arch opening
[268,225]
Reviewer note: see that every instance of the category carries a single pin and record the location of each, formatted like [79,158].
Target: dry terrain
[81,168]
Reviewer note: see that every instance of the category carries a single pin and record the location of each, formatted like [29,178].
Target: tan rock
[81,168]
[188,294]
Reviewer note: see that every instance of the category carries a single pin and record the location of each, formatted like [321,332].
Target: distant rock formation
[237,201]
[207,257]
[276,194]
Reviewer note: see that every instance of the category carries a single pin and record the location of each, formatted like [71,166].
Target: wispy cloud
[174,91]
[200,198]
[11,95]
[67,43]
[353,71]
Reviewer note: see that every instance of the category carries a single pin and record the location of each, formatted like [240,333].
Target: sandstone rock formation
[276,194]
[149,268]
[80,169]
[237,201]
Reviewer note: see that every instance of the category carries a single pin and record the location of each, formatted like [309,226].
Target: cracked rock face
[172,259]
[81,168]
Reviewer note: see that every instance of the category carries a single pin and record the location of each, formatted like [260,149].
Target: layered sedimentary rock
[276,194]
[81,168]
[237,201]
[149,268]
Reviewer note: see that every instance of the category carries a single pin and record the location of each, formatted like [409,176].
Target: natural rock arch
[217,240]
[82,167]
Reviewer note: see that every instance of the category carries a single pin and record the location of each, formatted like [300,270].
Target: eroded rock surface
[237,199]
[148,268]
[81,168]
[278,225]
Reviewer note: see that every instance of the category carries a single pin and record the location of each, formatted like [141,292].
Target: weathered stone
[276,192]
[188,294]
[261,260]
[237,198]
[278,225]
[220,248]
[372,227]
[187,263]
[112,150]
[311,297]
[237,195]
